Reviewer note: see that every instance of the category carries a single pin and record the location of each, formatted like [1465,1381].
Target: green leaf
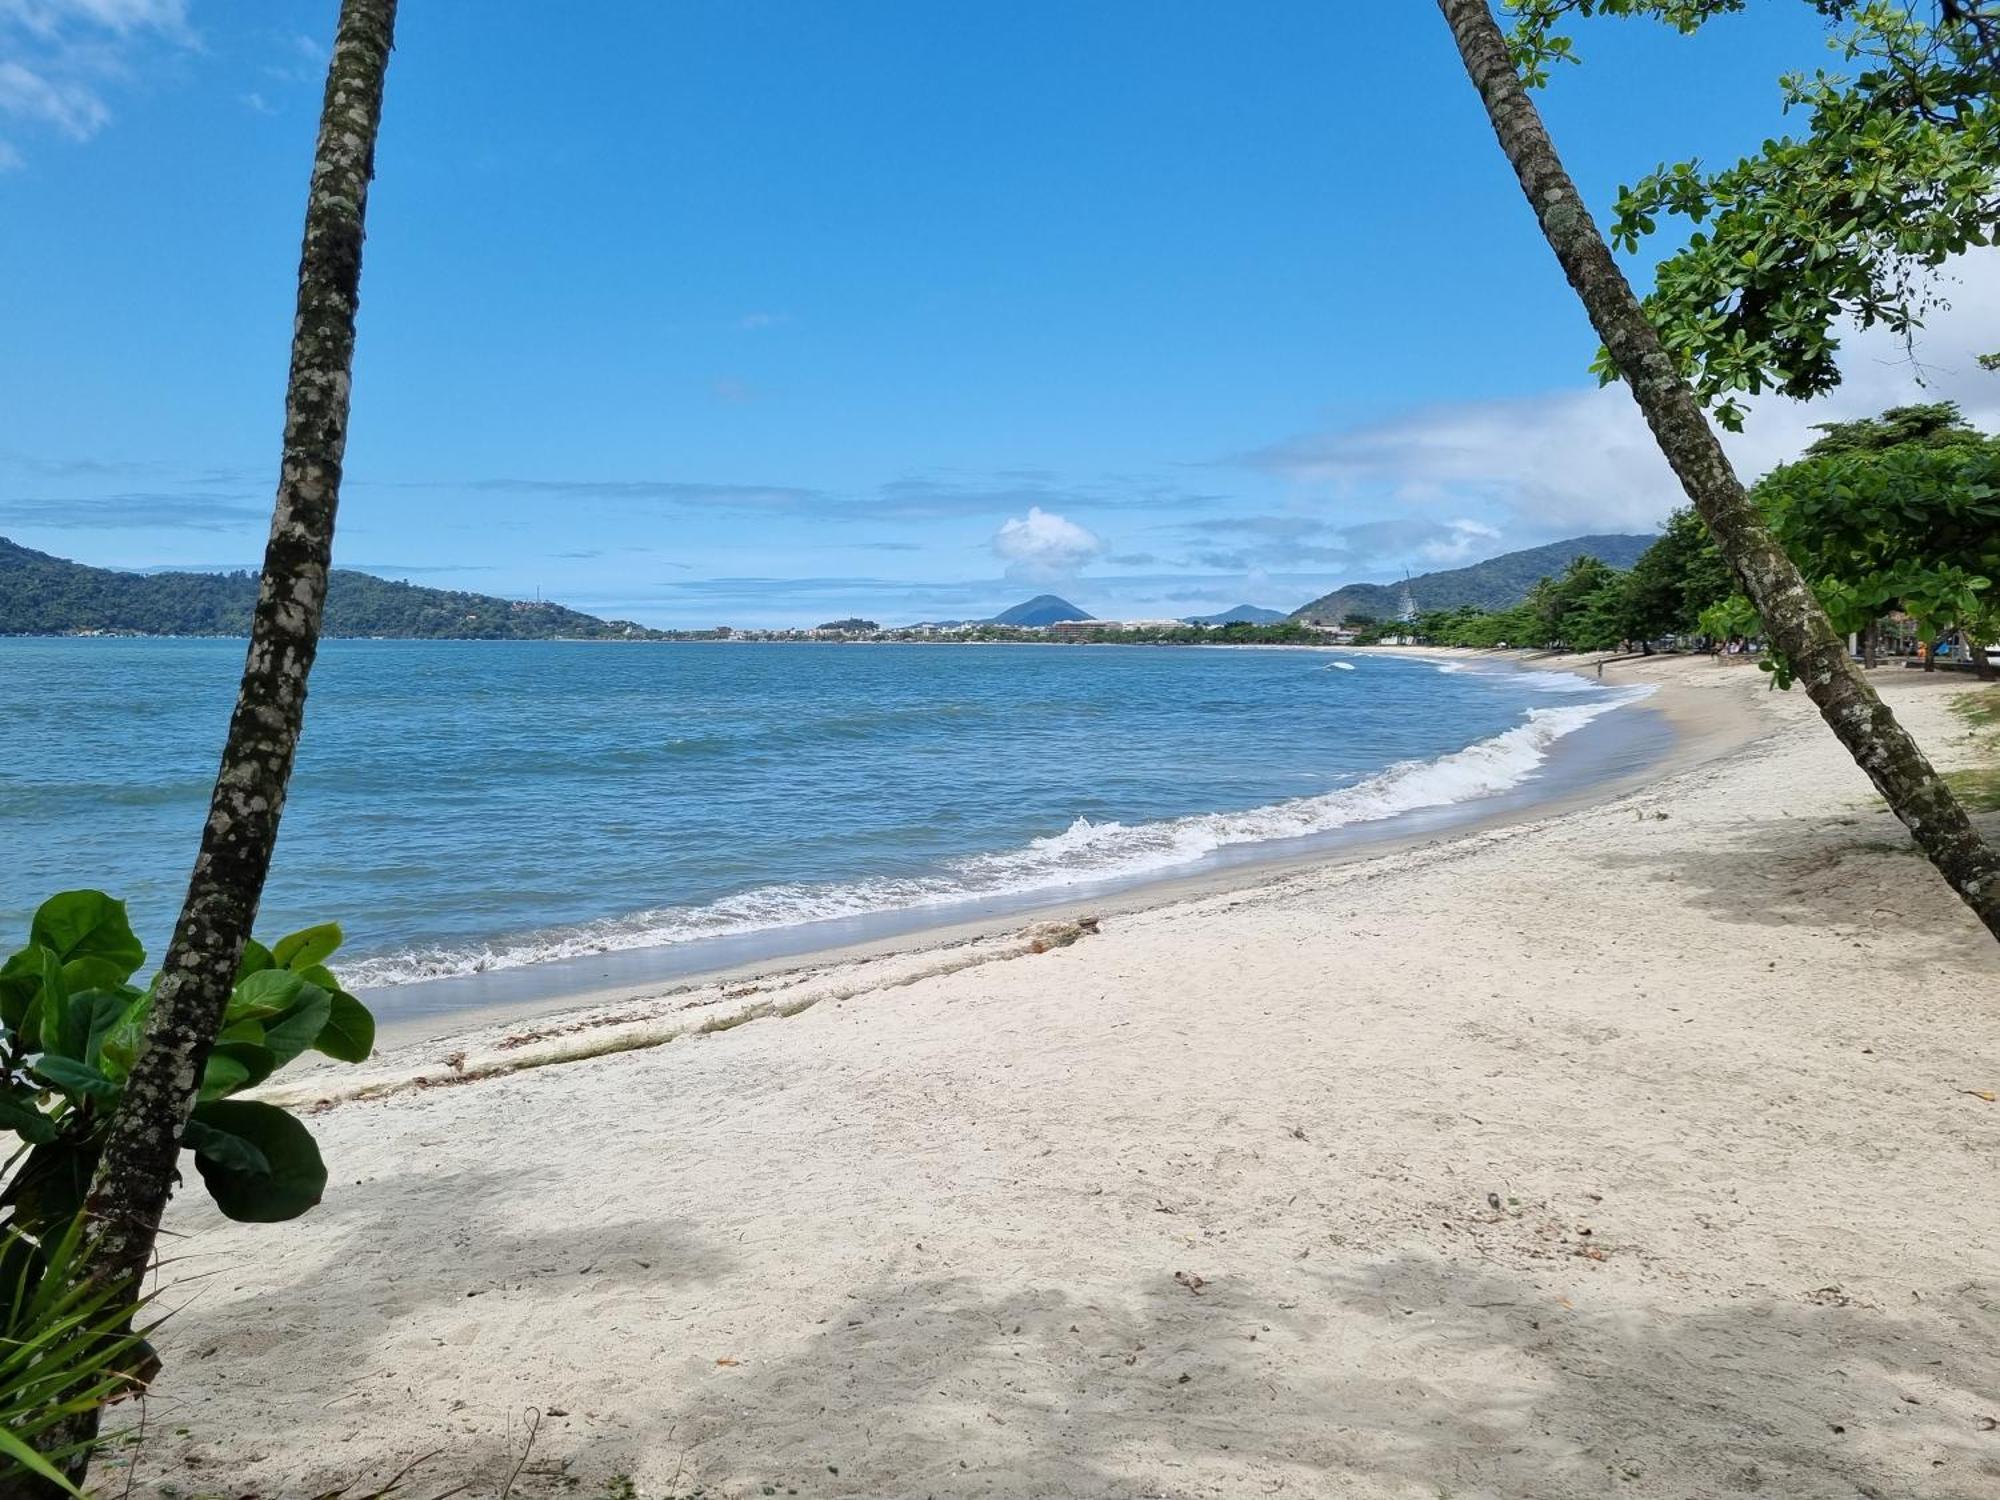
[224,1149]
[87,1020]
[19,1114]
[53,1003]
[87,924]
[306,947]
[88,973]
[48,1189]
[222,1076]
[20,982]
[235,1066]
[267,993]
[256,957]
[297,1029]
[294,1177]
[74,1077]
[121,1044]
[349,1033]
[28,1458]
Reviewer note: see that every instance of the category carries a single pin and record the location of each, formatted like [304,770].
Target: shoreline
[1626,1145]
[1700,728]
[554,1021]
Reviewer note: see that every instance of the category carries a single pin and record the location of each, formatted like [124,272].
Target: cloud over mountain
[1042,546]
[1541,465]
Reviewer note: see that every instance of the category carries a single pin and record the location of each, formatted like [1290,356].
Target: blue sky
[754,312]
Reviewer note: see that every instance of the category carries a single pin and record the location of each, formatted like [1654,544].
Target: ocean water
[481,808]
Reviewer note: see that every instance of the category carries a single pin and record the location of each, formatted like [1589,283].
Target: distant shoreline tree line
[1235,633]
[44,595]
[1891,515]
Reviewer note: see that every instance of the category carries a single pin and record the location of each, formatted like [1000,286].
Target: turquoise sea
[626,811]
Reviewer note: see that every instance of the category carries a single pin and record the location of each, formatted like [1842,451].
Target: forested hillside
[44,595]
[1494,584]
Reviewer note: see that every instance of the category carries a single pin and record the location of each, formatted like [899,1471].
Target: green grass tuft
[1978,788]
[1981,708]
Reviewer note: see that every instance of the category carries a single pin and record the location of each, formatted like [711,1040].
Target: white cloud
[49,18]
[1386,545]
[64,52]
[1462,539]
[1583,460]
[9,157]
[71,107]
[1042,546]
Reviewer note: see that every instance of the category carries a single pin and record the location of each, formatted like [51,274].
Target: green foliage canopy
[1678,577]
[1589,606]
[1896,172]
[1896,512]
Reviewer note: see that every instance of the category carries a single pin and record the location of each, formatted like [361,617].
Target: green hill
[1043,609]
[1496,583]
[44,595]
[1243,614]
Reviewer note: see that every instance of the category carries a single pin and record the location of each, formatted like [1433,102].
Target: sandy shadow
[369,1297]
[1803,1397]
[1406,1377]
[1858,871]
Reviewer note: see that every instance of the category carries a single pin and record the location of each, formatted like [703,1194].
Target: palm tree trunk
[135,1175]
[1793,619]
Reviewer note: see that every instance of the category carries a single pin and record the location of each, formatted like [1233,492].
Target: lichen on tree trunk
[135,1175]
[1797,625]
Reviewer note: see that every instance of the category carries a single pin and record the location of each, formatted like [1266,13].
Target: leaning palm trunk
[1793,618]
[135,1175]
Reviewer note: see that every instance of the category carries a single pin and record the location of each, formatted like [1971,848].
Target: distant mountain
[1243,614]
[44,595]
[1494,584]
[1043,609]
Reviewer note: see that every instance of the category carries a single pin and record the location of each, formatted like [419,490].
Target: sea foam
[1085,853]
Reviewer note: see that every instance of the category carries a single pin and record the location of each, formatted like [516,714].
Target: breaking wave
[1085,853]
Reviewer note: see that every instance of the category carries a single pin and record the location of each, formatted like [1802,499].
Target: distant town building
[1083,630]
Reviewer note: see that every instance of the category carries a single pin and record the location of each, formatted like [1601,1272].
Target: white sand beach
[1644,1147]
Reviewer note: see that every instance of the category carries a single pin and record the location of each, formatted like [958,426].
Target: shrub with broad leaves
[72,1024]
